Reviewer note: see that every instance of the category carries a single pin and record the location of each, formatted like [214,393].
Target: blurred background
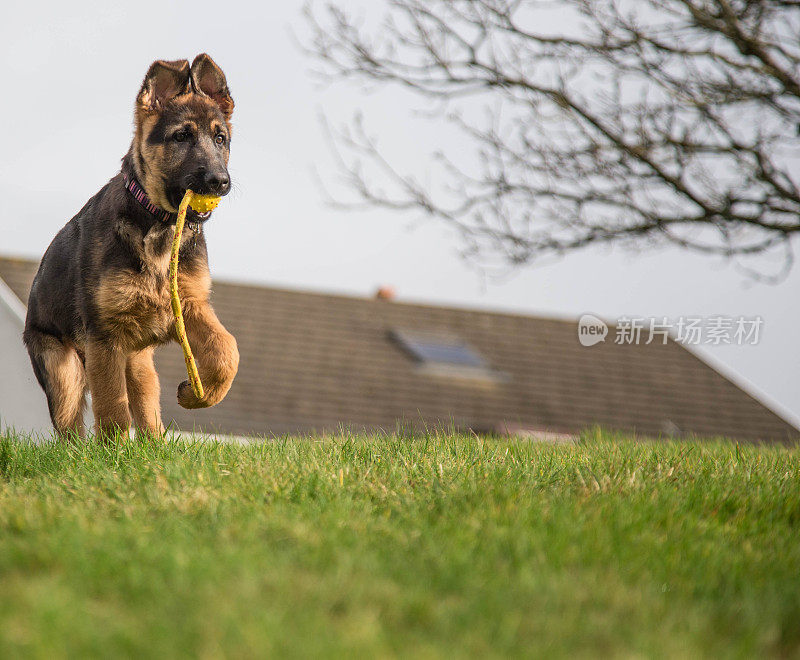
[71,72]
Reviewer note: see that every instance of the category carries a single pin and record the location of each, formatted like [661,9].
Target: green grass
[441,546]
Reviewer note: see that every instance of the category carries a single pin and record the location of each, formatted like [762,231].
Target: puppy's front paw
[187,399]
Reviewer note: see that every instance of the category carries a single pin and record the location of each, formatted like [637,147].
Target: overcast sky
[70,75]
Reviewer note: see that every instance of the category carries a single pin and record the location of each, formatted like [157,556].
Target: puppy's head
[183,131]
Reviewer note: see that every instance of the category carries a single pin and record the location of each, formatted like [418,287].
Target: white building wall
[22,402]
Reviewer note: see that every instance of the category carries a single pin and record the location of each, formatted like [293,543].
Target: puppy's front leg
[216,354]
[105,375]
[144,393]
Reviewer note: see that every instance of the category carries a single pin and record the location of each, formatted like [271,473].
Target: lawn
[441,546]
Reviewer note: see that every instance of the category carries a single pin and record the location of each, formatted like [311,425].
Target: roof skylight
[439,349]
[448,355]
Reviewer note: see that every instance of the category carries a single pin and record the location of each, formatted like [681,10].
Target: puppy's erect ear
[163,82]
[208,79]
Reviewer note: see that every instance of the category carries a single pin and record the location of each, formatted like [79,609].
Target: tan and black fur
[99,304]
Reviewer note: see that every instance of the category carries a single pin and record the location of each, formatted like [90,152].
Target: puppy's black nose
[217,183]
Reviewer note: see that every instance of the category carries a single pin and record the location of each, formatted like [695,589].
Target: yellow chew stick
[201,203]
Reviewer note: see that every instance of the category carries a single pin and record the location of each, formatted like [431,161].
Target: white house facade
[22,403]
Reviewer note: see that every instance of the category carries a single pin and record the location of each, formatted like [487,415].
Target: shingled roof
[315,362]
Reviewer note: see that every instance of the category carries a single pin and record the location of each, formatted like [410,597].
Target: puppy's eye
[181,136]
[220,139]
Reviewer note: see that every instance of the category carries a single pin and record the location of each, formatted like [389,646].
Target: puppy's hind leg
[60,372]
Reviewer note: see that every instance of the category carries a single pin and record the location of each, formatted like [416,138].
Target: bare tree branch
[646,122]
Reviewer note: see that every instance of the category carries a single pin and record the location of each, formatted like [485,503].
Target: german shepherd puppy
[100,303]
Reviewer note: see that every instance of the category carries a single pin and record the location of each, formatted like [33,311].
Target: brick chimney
[385,292]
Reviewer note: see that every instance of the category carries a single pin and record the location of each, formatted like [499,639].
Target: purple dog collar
[162,215]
